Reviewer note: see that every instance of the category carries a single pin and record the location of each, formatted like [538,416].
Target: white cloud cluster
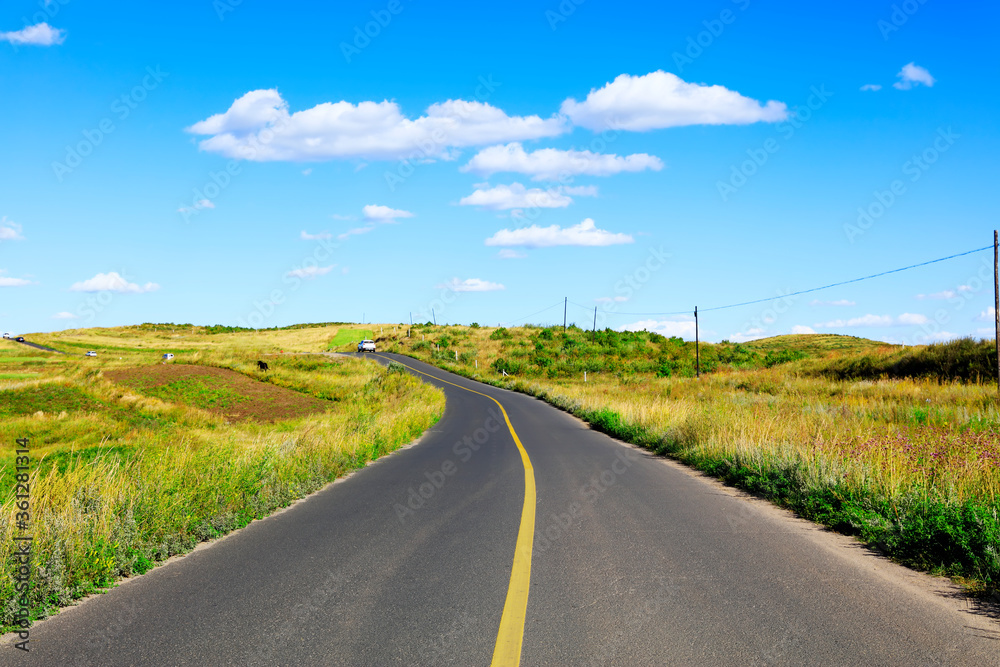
[112,282]
[584,234]
[10,230]
[912,75]
[517,196]
[549,164]
[40,34]
[660,99]
[259,127]
[471,285]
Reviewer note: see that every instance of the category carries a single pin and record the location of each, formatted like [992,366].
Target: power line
[533,314]
[816,289]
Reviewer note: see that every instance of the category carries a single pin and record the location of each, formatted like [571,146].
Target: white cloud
[661,99]
[748,335]
[683,328]
[584,234]
[988,315]
[355,232]
[112,282]
[471,285]
[912,75]
[197,206]
[10,230]
[911,319]
[550,164]
[839,302]
[259,127]
[507,253]
[946,294]
[64,315]
[40,34]
[937,337]
[802,329]
[516,196]
[322,236]
[375,213]
[871,86]
[7,281]
[310,272]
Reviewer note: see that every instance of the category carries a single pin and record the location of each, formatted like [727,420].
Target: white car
[6,335]
[366,346]
[91,354]
[168,356]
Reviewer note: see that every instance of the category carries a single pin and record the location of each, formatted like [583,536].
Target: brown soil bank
[219,390]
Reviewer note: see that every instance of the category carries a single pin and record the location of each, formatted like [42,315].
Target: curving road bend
[635,561]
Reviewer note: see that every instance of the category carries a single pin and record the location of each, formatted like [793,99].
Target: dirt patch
[219,390]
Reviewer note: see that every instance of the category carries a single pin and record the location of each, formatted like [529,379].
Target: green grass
[345,337]
[51,398]
[204,392]
[18,376]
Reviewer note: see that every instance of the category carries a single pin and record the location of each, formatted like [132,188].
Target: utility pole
[565,306]
[434,316]
[697,352]
[594,337]
[996,299]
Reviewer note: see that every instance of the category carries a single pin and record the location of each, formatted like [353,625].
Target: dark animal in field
[262,365]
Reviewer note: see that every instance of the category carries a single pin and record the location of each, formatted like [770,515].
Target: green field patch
[348,336]
[206,392]
[46,398]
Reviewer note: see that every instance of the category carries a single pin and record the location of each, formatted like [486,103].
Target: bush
[500,334]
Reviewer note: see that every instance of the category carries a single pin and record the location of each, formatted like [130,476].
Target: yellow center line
[507,652]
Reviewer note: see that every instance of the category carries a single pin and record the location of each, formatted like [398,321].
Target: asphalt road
[36,346]
[636,561]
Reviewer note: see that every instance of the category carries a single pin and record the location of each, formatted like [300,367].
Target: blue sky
[264,164]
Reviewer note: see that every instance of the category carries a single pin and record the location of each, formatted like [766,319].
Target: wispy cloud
[471,285]
[682,327]
[112,282]
[946,294]
[10,230]
[839,302]
[584,234]
[310,272]
[321,236]
[7,281]
[549,164]
[906,319]
[516,196]
[871,86]
[377,213]
[64,315]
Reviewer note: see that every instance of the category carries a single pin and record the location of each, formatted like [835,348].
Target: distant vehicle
[6,335]
[168,356]
[20,339]
[366,346]
[91,354]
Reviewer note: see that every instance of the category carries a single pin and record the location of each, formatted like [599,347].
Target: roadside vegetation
[898,446]
[125,475]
